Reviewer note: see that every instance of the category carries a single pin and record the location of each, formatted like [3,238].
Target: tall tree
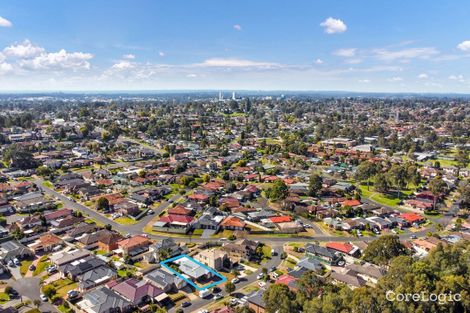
[365,171]
[384,249]
[279,299]
[315,185]
[437,187]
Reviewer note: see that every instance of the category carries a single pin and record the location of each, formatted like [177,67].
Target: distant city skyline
[361,46]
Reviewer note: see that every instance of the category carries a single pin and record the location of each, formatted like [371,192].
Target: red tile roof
[352,202]
[232,221]
[176,218]
[411,217]
[180,210]
[340,246]
[280,219]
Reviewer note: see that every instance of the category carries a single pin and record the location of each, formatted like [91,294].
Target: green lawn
[124,220]
[48,184]
[25,266]
[42,265]
[4,297]
[63,286]
[267,251]
[387,200]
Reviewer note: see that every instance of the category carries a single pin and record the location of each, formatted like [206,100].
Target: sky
[362,45]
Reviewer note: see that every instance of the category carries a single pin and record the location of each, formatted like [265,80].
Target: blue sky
[373,45]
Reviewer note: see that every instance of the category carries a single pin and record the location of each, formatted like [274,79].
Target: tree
[315,185]
[398,176]
[381,183]
[37,303]
[278,191]
[279,299]
[18,156]
[381,251]
[49,291]
[462,158]
[43,171]
[464,190]
[437,187]
[365,171]
[102,204]
[230,287]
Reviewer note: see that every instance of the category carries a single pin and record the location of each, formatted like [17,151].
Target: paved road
[199,303]
[30,288]
[138,227]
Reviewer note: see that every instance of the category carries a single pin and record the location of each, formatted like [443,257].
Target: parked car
[262,284]
[218,296]
[16,261]
[72,294]
[32,267]
[185,304]
[43,297]
[260,276]
[235,280]
[413,237]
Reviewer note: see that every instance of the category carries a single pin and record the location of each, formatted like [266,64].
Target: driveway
[15,272]
[30,288]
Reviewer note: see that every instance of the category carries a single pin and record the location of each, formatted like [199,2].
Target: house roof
[280,219]
[135,290]
[58,214]
[411,217]
[232,221]
[340,246]
[134,241]
[352,202]
[103,300]
[180,210]
[285,279]
[177,219]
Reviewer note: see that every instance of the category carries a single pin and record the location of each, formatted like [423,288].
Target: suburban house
[105,240]
[104,300]
[165,280]
[139,292]
[239,250]
[256,303]
[214,258]
[134,245]
[12,249]
[95,277]
[324,254]
[173,223]
[233,223]
[344,248]
[166,247]
[46,243]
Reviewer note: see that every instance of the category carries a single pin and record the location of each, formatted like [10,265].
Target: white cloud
[364,81]
[191,75]
[5,67]
[464,45]
[128,56]
[459,78]
[23,50]
[423,76]
[395,79]
[5,23]
[333,25]
[219,62]
[318,61]
[122,65]
[406,54]
[61,60]
[161,53]
[347,53]
[237,27]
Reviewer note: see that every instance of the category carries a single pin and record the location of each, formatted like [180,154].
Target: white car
[16,261]
[218,296]
[203,311]
[262,284]
[235,280]
[260,276]
[43,297]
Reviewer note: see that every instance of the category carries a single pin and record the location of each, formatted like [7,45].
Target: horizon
[267,45]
